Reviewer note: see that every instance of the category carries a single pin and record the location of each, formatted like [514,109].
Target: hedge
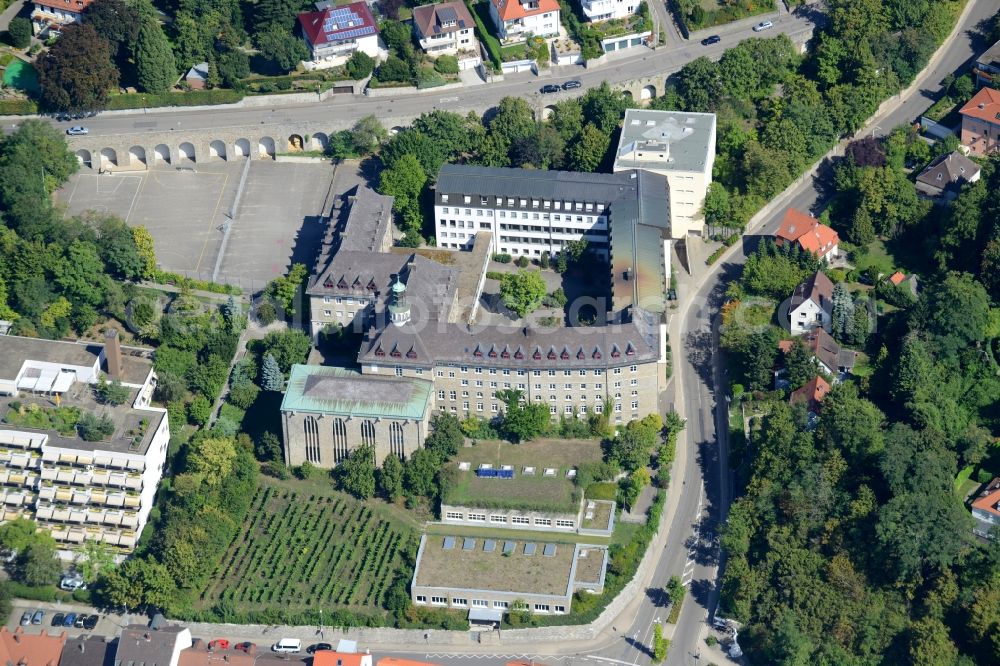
[44,593]
[189,98]
[17,107]
[486,37]
[166,277]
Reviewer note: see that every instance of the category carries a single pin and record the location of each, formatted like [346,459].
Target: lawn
[715,12]
[305,546]
[527,492]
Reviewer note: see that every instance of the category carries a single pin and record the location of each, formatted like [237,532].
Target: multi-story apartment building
[50,15]
[445,28]
[981,122]
[333,33]
[603,10]
[515,20]
[987,68]
[679,146]
[76,489]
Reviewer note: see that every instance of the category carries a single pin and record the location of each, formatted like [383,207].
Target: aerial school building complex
[423,347]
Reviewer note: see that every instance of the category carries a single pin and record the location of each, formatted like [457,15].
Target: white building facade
[604,10]
[515,20]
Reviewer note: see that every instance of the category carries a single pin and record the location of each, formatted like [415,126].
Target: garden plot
[302,551]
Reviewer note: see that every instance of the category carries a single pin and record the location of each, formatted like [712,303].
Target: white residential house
[445,28]
[604,10]
[517,19]
[333,33]
[811,305]
[48,15]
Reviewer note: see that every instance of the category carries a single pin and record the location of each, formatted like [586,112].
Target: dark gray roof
[951,170]
[991,56]
[501,346]
[368,221]
[14,351]
[88,651]
[688,139]
[140,645]
[817,288]
[638,226]
[602,188]
[430,286]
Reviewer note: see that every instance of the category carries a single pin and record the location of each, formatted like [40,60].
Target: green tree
[38,564]
[19,30]
[843,311]
[81,273]
[955,313]
[94,560]
[420,474]
[286,291]
[111,393]
[445,438]
[288,347]
[213,458]
[523,291]
[156,70]
[393,69]
[272,379]
[405,181]
[799,364]
[930,644]
[390,478]
[368,134]
[138,583]
[587,153]
[281,46]
[233,66]
[525,421]
[199,410]
[76,74]
[17,534]
[356,474]
[359,65]
[93,428]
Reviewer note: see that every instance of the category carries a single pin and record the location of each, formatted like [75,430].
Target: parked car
[72,580]
[714,39]
[80,619]
[570,85]
[763,25]
[26,618]
[69,620]
[246,646]
[91,621]
[218,644]
[38,617]
[317,647]
[57,619]
[288,645]
[550,88]
[77,130]
[63,117]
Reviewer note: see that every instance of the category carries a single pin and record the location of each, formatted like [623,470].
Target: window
[598,408]
[479,603]
[520,520]
[452,395]
[479,406]
[543,522]
[633,368]
[465,382]
[326,299]
[421,599]
[439,601]
[328,313]
[479,371]
[456,601]
[477,517]
[465,406]
[633,382]
[536,373]
[635,404]
[568,409]
[567,373]
[494,408]
[560,609]
[464,369]
[618,371]
[552,373]
[541,608]
[618,407]
[565,523]
[501,604]
[453,515]
[399,371]
[498,519]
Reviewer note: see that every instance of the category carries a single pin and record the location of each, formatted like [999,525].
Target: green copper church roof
[341,392]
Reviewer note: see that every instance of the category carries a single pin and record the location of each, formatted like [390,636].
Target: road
[343,110]
[706,489]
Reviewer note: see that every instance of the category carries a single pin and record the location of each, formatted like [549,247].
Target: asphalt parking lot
[277,220]
[108,625]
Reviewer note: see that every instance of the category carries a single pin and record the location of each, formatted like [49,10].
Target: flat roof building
[679,146]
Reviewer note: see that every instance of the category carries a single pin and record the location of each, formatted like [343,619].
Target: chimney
[113,353]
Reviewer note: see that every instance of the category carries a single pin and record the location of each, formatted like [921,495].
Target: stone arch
[217,149]
[547,112]
[295,142]
[241,148]
[136,154]
[83,157]
[627,94]
[647,92]
[319,141]
[266,146]
[109,156]
[161,153]
[185,151]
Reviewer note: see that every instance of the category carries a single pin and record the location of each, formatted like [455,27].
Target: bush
[277,469]
[502,258]
[17,107]
[522,262]
[199,410]
[494,275]
[359,65]
[393,70]
[267,314]
[188,98]
[19,32]
[22,591]
[984,476]
[446,64]
[94,429]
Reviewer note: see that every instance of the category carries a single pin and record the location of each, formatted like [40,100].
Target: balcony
[598,10]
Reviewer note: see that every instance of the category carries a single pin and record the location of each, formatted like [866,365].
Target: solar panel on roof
[508,547]
[529,549]
[549,550]
[489,546]
[449,543]
[468,544]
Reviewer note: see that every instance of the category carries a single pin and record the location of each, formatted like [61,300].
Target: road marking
[445,100]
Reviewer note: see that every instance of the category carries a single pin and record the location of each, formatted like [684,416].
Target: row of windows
[344,299]
[567,409]
[552,230]
[460,602]
[545,204]
[514,520]
[534,373]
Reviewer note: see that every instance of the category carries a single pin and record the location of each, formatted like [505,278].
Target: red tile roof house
[48,14]
[986,510]
[981,122]
[829,356]
[811,305]
[445,28]
[812,394]
[516,19]
[812,236]
[334,33]
[17,647]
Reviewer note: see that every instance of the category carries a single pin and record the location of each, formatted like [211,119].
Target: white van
[287,645]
